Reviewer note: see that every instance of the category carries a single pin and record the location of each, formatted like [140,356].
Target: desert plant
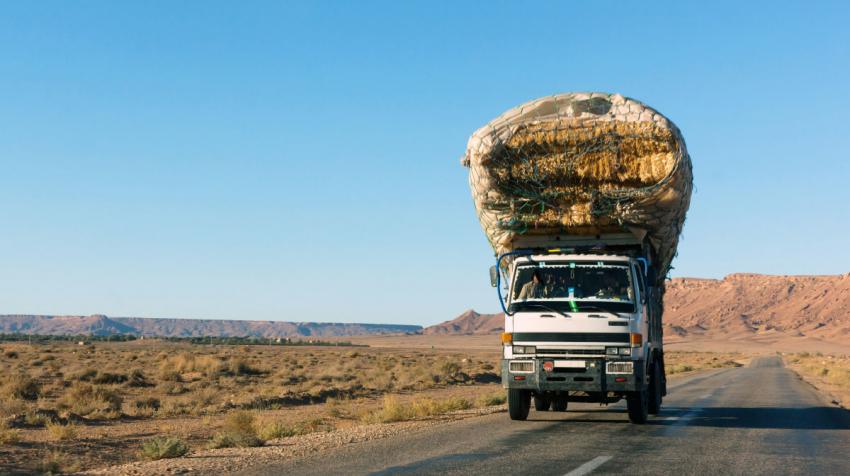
[497,398]
[277,429]
[8,435]
[21,386]
[239,430]
[107,378]
[60,432]
[147,403]
[57,462]
[392,410]
[429,407]
[137,378]
[163,447]
[86,399]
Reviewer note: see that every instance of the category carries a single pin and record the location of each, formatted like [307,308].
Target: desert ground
[67,407]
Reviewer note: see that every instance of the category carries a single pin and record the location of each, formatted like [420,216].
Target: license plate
[569,364]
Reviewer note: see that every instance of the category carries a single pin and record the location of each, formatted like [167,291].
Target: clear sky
[301,162]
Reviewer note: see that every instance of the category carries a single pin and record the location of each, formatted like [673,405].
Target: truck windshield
[574,286]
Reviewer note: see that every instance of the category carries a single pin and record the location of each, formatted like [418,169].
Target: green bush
[163,447]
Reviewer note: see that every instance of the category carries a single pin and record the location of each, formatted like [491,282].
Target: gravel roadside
[236,459]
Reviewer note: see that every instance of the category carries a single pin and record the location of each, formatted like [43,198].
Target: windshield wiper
[597,308]
[543,306]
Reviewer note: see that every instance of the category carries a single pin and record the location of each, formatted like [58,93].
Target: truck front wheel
[519,403]
[638,405]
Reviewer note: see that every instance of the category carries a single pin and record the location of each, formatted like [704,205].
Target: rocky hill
[103,325]
[816,306]
[469,322]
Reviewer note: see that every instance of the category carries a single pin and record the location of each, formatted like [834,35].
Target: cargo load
[581,164]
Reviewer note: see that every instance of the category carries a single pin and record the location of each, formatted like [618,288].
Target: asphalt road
[759,419]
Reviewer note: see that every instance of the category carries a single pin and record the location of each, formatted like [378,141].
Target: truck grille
[612,337]
[619,368]
[522,366]
[570,352]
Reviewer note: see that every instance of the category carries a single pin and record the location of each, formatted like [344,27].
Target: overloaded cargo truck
[583,197]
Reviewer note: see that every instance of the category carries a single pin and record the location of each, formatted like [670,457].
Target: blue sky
[301,162]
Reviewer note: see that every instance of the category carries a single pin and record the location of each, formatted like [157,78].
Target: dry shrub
[207,365]
[11,406]
[429,407]
[91,400]
[137,378]
[60,432]
[496,398]
[241,367]
[392,410]
[239,430]
[277,429]
[57,462]
[8,436]
[163,447]
[20,386]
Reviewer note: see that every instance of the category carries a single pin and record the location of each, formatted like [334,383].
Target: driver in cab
[533,289]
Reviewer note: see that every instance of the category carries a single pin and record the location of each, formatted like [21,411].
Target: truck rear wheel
[541,403]
[559,403]
[519,403]
[638,405]
[655,389]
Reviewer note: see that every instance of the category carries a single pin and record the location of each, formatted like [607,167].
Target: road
[759,419]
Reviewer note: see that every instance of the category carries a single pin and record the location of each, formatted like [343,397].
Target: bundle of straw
[581,164]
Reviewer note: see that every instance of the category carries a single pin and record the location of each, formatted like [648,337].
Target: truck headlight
[525,349]
[625,351]
[611,350]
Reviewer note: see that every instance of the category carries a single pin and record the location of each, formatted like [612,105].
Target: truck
[581,259]
[582,324]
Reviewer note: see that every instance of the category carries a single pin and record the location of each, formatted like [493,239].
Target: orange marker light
[636,339]
[507,338]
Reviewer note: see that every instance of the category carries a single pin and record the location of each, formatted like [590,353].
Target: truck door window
[640,279]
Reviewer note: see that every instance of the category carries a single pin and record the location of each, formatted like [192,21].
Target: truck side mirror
[494,276]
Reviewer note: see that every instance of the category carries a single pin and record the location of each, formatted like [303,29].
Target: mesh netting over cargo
[581,164]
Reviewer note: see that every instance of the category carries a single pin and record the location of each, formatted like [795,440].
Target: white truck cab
[581,326]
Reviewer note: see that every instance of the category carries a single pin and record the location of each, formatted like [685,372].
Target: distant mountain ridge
[739,305]
[101,325]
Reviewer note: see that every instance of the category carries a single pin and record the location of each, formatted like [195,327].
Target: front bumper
[592,378]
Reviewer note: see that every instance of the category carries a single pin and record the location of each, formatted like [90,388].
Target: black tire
[559,403]
[638,405]
[541,403]
[655,389]
[519,403]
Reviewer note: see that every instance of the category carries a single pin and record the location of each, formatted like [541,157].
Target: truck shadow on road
[806,418]
[809,418]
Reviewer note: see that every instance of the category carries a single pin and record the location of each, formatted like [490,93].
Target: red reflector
[548,366]
[619,379]
[519,377]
